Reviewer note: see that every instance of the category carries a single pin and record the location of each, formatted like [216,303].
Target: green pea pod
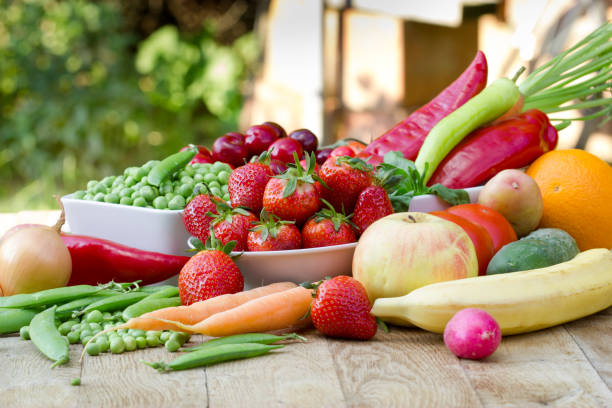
[115,302]
[170,165]
[489,104]
[213,355]
[67,309]
[154,288]
[148,304]
[165,292]
[12,320]
[49,297]
[260,338]
[47,338]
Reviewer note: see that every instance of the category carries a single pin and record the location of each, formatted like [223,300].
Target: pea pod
[170,165]
[164,292]
[115,302]
[153,288]
[213,355]
[49,296]
[260,338]
[12,320]
[47,338]
[67,309]
[149,304]
[491,103]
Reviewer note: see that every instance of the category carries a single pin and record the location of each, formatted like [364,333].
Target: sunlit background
[88,88]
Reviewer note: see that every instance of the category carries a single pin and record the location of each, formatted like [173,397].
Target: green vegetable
[47,338]
[260,338]
[148,305]
[12,320]
[24,332]
[75,381]
[115,302]
[170,165]
[214,355]
[49,297]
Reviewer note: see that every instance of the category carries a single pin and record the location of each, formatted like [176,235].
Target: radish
[472,333]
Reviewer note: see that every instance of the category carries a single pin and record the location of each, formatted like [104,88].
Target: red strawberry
[209,273]
[327,228]
[341,308]
[247,183]
[232,224]
[292,196]
[273,234]
[373,203]
[345,178]
[195,217]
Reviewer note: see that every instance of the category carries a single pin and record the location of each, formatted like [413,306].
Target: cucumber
[541,248]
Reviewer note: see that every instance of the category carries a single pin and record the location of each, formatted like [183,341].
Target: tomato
[478,234]
[498,226]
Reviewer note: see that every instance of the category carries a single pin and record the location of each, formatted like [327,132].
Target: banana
[520,301]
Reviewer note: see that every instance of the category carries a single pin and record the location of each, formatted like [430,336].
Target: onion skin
[33,258]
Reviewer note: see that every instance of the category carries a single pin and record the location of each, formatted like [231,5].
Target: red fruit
[207,274]
[280,131]
[273,234]
[247,183]
[341,308]
[230,148]
[345,178]
[201,158]
[292,196]
[195,217]
[258,138]
[342,151]
[323,155]
[328,228]
[283,150]
[304,165]
[278,167]
[306,138]
[372,204]
[232,224]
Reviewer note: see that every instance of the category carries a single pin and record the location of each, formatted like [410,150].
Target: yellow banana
[520,301]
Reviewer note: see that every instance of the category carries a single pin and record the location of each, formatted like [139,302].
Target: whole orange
[576,191]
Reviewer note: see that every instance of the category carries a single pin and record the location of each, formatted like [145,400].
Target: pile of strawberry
[303,207]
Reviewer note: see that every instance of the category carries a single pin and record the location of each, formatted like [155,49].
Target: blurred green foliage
[81,99]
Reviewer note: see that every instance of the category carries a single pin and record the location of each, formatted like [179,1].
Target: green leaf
[290,187]
[451,196]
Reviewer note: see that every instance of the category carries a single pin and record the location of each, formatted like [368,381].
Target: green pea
[108,181]
[189,170]
[209,178]
[95,316]
[172,345]
[86,339]
[24,332]
[136,332]
[177,203]
[204,168]
[160,203]
[95,327]
[86,333]
[129,181]
[166,188]
[91,184]
[164,336]
[152,341]
[226,197]
[216,191]
[77,327]
[126,201]
[140,173]
[130,343]
[139,202]
[117,345]
[214,184]
[185,190]
[145,180]
[93,348]
[148,193]
[122,331]
[99,197]
[225,188]
[150,164]
[183,337]
[66,327]
[103,343]
[111,198]
[218,166]
[186,180]
[117,182]
[75,381]
[141,342]
[197,178]
[73,337]
[79,195]
[108,326]
[223,176]
[88,197]
[126,191]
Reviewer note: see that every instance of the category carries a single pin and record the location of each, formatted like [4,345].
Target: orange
[576,191]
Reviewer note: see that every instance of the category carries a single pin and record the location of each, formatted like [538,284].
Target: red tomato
[478,234]
[499,228]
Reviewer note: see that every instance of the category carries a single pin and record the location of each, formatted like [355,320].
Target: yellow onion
[33,258]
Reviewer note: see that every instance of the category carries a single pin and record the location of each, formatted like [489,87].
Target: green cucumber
[541,248]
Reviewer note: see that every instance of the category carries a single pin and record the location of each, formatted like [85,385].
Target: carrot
[273,312]
[196,312]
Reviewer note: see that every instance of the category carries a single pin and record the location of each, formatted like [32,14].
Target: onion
[33,258]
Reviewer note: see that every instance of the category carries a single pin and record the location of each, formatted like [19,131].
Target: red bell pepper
[96,260]
[510,144]
[408,135]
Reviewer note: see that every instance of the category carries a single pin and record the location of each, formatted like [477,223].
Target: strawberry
[232,224]
[292,196]
[372,203]
[209,273]
[345,177]
[327,228]
[341,308]
[273,234]
[195,217]
[247,183]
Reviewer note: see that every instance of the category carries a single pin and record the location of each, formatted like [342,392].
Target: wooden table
[565,366]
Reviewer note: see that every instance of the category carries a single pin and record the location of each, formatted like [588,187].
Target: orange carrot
[199,311]
[276,311]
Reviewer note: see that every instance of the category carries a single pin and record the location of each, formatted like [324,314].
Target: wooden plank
[541,368]
[405,367]
[27,379]
[300,374]
[593,334]
[121,380]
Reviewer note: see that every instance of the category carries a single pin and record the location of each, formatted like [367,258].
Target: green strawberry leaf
[290,187]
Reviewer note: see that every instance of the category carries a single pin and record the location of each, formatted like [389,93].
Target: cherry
[201,150]
[280,132]
[259,137]
[277,166]
[202,158]
[322,155]
[283,150]
[306,138]
[230,149]
[342,151]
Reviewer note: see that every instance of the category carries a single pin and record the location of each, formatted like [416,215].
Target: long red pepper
[408,135]
[96,260]
[510,144]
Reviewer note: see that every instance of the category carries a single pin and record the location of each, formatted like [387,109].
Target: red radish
[472,333]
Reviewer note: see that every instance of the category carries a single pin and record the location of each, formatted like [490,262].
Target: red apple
[404,251]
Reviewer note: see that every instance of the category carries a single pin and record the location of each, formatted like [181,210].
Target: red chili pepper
[511,144]
[96,260]
[408,135]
